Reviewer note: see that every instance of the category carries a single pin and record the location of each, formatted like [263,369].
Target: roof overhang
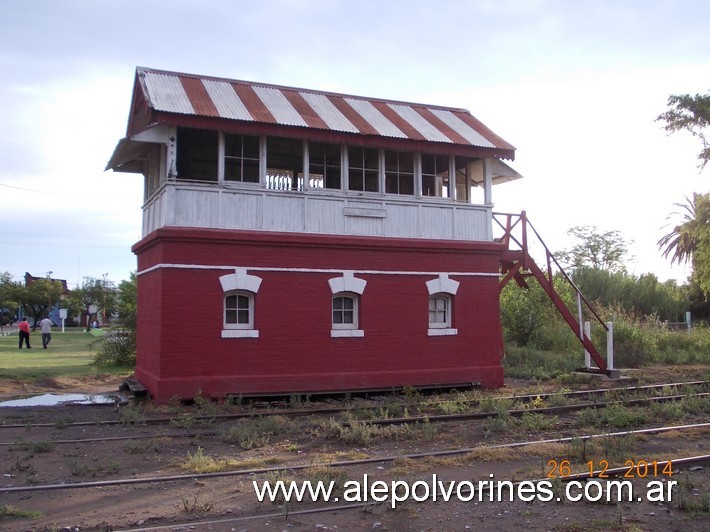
[129,156]
[500,172]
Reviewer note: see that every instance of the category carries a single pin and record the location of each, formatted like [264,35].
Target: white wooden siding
[195,205]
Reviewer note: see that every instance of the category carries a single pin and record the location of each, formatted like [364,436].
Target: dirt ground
[232,500]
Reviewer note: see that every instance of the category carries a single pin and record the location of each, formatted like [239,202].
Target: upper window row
[294,164]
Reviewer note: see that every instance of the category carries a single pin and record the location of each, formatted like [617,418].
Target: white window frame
[345,325]
[347,285]
[446,298]
[444,288]
[239,283]
[250,309]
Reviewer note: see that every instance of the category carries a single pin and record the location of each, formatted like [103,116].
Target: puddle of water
[51,399]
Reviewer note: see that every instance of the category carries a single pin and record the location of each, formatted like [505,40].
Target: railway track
[155,475]
[350,463]
[214,524]
[319,410]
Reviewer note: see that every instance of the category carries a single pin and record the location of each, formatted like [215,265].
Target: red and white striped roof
[186,94]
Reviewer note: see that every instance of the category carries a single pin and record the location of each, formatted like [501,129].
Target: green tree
[644,295]
[9,298]
[689,240]
[525,311]
[127,303]
[38,298]
[690,113]
[602,250]
[118,347]
[93,296]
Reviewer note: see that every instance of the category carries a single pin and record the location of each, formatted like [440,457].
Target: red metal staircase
[516,264]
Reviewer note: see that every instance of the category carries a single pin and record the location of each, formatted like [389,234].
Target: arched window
[239,310]
[441,305]
[345,315]
[239,291]
[439,311]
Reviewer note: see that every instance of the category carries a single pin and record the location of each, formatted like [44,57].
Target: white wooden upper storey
[237,155]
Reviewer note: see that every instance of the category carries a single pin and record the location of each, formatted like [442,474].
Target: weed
[428,430]
[617,448]
[132,415]
[184,421]
[7,510]
[43,446]
[452,407]
[142,446]
[94,469]
[327,475]
[193,503]
[61,422]
[200,463]
[613,415]
[501,421]
[247,435]
[533,422]
[207,406]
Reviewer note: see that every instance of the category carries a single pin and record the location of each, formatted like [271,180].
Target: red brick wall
[181,352]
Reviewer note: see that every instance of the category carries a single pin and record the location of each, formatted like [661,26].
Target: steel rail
[336,409]
[438,418]
[344,463]
[519,412]
[356,506]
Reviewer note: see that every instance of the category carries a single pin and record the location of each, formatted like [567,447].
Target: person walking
[25,333]
[46,326]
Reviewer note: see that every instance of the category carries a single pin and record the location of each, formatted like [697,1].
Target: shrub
[116,348]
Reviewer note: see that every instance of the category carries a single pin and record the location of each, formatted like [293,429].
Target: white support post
[610,345]
[587,356]
[487,182]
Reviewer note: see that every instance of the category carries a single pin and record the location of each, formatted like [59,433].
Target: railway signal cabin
[299,241]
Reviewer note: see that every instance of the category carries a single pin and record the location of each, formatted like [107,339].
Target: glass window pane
[243,302]
[197,152]
[363,168]
[230,316]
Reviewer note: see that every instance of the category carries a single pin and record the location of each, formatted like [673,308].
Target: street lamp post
[103,324]
[49,292]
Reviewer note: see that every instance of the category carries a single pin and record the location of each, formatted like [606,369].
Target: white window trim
[347,333]
[347,285]
[356,305]
[241,326]
[240,282]
[448,300]
[444,286]
[240,333]
[442,332]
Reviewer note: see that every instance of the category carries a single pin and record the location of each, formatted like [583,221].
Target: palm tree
[682,243]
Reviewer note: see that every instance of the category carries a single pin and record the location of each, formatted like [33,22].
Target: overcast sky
[574,85]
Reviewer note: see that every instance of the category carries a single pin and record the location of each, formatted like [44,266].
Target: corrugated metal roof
[256,102]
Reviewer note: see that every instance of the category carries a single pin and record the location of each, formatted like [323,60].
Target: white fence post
[610,345]
[587,356]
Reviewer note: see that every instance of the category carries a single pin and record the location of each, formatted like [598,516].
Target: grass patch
[70,354]
[198,462]
[7,511]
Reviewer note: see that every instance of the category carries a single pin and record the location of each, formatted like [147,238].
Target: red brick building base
[181,351]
